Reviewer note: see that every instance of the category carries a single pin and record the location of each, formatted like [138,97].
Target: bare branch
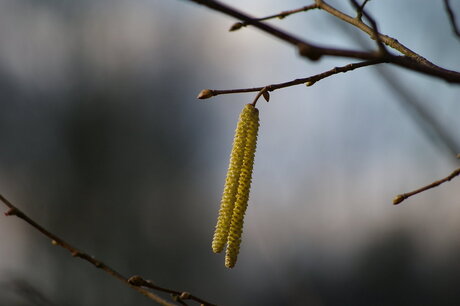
[387,40]
[401,197]
[139,281]
[55,240]
[360,8]
[309,81]
[281,15]
[412,60]
[452,20]
[360,11]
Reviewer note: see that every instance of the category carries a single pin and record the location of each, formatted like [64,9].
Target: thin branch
[387,40]
[360,11]
[452,20]
[281,15]
[309,81]
[305,48]
[139,281]
[401,197]
[313,52]
[55,240]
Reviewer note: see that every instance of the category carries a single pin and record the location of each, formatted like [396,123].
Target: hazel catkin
[232,179]
[242,196]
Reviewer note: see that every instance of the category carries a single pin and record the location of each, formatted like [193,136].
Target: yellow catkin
[231,181]
[242,196]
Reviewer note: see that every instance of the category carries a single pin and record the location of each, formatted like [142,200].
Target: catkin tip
[230,264]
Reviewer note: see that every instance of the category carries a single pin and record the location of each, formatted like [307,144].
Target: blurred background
[104,143]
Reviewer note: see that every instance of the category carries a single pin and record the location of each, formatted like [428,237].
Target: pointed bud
[236,26]
[266,95]
[205,94]
[398,199]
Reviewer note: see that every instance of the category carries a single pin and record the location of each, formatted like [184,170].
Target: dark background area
[103,143]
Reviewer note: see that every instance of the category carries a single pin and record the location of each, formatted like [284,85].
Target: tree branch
[360,11]
[309,81]
[387,40]
[412,60]
[139,281]
[452,20]
[55,240]
[282,15]
[401,197]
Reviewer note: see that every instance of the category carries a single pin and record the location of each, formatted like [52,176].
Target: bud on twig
[205,94]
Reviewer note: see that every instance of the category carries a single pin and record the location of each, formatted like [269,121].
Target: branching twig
[452,20]
[360,11]
[55,240]
[309,81]
[387,40]
[281,15]
[401,197]
[412,60]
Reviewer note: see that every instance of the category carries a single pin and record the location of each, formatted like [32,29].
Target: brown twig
[262,92]
[452,20]
[360,12]
[412,60]
[55,240]
[401,197]
[309,81]
[282,15]
[387,40]
[360,9]
[139,281]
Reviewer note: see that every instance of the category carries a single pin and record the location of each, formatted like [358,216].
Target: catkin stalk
[242,195]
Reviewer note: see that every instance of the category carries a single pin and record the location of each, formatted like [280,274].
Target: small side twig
[452,20]
[360,8]
[282,15]
[401,197]
[309,81]
[262,92]
[387,40]
[55,240]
